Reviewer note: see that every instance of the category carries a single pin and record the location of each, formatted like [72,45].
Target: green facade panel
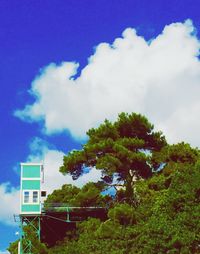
[31,171]
[30,184]
[30,208]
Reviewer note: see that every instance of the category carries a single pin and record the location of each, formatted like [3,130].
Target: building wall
[30,188]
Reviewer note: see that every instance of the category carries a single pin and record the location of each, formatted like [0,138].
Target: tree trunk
[129,188]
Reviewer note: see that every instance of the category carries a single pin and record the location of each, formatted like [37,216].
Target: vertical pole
[39,228]
[19,247]
[21,236]
[68,220]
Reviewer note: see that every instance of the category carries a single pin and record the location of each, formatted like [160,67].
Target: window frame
[31,198]
[26,196]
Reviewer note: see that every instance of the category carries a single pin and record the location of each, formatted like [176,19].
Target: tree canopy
[121,150]
[89,195]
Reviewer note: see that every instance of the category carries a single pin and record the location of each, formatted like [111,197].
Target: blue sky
[41,43]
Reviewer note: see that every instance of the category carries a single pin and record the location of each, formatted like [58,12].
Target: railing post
[68,218]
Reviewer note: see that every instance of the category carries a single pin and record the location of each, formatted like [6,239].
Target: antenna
[42,171]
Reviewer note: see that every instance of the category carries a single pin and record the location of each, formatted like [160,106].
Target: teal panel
[29,171]
[30,208]
[30,184]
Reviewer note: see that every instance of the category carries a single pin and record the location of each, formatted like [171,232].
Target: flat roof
[31,163]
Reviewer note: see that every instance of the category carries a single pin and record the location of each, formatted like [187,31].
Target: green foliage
[64,195]
[123,214]
[30,236]
[170,155]
[122,149]
[37,246]
[166,219]
[13,247]
[89,195]
[172,225]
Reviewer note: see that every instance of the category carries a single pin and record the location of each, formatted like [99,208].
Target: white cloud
[4,252]
[159,78]
[9,197]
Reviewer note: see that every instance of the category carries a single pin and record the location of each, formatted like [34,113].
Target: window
[26,197]
[35,196]
[31,197]
[43,194]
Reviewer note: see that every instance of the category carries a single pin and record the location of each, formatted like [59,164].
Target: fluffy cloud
[9,197]
[159,78]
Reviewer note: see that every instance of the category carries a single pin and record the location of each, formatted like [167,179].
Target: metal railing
[59,207]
